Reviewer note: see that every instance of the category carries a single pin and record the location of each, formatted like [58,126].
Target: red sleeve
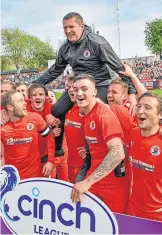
[45,131]
[2,135]
[42,126]
[110,126]
[47,107]
[51,148]
[125,119]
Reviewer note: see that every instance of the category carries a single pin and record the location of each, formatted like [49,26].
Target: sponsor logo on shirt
[155,150]
[87,53]
[73,124]
[12,141]
[30,126]
[141,165]
[92,125]
[91,140]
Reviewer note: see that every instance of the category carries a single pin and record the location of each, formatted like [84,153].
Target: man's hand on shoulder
[52,121]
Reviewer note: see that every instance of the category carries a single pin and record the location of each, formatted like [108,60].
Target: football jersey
[100,126]
[20,140]
[75,138]
[145,155]
[125,119]
[45,145]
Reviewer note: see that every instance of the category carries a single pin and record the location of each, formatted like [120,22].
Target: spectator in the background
[52,97]
[22,88]
[7,86]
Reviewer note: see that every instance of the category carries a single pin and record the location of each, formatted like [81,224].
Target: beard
[19,113]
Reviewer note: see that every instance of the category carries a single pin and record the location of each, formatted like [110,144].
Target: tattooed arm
[110,162]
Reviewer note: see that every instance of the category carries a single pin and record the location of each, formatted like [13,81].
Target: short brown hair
[123,84]
[20,84]
[10,83]
[157,97]
[7,99]
[79,18]
[85,76]
[71,78]
[36,85]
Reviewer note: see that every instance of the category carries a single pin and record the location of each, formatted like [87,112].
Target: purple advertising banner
[126,224]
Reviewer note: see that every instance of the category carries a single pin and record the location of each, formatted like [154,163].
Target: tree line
[21,50]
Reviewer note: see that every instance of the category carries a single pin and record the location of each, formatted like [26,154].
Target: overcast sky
[43,18]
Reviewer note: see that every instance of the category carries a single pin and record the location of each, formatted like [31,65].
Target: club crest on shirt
[66,122]
[87,53]
[155,150]
[81,114]
[92,125]
[30,126]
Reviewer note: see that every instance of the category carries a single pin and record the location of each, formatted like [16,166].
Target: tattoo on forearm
[108,164]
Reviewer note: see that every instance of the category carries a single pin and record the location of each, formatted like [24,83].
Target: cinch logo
[43,206]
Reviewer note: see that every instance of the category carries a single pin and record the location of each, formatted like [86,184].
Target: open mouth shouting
[141,119]
[110,100]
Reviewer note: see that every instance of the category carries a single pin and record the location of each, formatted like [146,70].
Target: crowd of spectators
[26,76]
[152,70]
[145,71]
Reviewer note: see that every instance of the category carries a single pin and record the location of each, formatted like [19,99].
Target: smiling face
[52,97]
[38,98]
[5,88]
[23,89]
[18,106]
[70,89]
[116,94]
[72,29]
[147,113]
[85,94]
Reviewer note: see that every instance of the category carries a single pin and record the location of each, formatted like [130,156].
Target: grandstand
[148,70]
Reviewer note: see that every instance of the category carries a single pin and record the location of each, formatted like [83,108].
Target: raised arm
[138,85]
[108,56]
